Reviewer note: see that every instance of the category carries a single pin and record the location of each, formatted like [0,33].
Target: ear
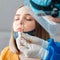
[12,45]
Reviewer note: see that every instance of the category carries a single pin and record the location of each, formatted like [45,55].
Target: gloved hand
[18,39]
[33,50]
[35,40]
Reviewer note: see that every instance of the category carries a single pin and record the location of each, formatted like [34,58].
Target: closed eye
[17,17]
[29,19]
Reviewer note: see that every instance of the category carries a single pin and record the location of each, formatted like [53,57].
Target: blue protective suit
[54,50]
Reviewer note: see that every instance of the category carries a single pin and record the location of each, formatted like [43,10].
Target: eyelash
[29,19]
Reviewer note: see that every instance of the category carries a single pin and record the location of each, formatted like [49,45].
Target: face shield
[40,17]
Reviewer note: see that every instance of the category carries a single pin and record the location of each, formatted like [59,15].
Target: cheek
[29,27]
[14,26]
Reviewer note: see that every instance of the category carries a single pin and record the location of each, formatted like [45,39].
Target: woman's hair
[39,32]
[12,43]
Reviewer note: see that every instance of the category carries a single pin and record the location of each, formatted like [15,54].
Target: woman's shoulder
[5,50]
[7,54]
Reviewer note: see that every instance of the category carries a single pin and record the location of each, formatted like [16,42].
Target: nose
[21,21]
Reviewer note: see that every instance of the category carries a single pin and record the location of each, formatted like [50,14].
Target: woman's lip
[19,29]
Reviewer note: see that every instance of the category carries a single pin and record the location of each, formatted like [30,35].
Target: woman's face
[23,21]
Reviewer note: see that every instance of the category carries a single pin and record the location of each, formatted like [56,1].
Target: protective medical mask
[47,24]
[30,33]
[39,15]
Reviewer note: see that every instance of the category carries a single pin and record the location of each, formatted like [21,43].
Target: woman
[23,22]
[26,23]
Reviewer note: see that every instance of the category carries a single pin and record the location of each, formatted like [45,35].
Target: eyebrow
[27,14]
[24,14]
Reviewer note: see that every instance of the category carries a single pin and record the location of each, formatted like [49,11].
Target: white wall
[7,12]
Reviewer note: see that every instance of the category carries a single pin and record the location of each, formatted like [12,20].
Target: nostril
[21,23]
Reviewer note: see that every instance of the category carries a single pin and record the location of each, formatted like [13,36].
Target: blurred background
[7,11]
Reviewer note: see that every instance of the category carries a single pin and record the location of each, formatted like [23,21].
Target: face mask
[15,35]
[30,33]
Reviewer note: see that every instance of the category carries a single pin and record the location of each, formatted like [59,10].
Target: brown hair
[12,43]
[41,32]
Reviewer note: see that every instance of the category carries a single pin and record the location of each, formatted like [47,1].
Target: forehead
[22,10]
